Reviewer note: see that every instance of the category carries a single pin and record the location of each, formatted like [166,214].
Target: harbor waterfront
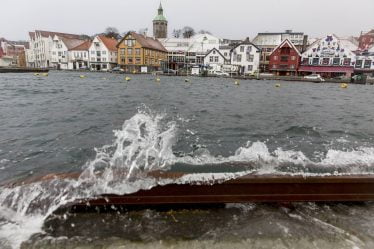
[67,122]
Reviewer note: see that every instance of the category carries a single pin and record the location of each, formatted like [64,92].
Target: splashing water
[144,144]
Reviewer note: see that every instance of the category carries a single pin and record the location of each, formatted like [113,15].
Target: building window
[358,63]
[293,58]
[122,51]
[269,50]
[130,43]
[210,58]
[137,60]
[238,57]
[284,58]
[275,57]
[123,60]
[315,61]
[98,53]
[292,66]
[250,67]
[92,52]
[137,51]
[267,58]
[104,59]
[104,52]
[104,66]
[250,57]
[336,61]
[367,64]
[241,48]
[216,59]
[130,61]
[347,61]
[129,51]
[325,61]
[274,66]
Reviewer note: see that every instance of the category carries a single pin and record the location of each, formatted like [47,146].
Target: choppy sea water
[63,123]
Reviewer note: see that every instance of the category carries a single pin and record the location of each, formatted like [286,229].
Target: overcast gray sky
[224,18]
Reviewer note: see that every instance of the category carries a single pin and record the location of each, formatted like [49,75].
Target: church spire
[160,9]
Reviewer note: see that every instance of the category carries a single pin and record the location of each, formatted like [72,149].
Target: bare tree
[177,33]
[204,32]
[112,32]
[188,32]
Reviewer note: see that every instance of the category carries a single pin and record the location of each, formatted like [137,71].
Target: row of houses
[283,53]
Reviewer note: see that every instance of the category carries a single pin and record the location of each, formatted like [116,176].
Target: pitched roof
[71,43]
[51,34]
[147,42]
[110,43]
[246,41]
[216,51]
[83,46]
[286,41]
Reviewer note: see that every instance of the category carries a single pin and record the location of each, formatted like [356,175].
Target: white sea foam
[143,144]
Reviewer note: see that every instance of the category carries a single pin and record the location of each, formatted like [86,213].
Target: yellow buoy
[127,78]
[237,82]
[277,85]
[36,74]
[45,74]
[344,85]
[82,76]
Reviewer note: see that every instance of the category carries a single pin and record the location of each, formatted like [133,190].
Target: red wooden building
[285,59]
[366,40]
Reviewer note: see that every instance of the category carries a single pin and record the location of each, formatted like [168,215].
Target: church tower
[160,24]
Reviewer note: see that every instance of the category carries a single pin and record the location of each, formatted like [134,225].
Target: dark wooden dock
[250,188]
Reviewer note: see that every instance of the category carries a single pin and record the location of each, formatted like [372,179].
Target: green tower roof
[160,15]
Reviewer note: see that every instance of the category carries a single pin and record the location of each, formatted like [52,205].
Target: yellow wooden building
[139,53]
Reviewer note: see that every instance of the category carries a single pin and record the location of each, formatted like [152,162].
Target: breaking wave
[145,144]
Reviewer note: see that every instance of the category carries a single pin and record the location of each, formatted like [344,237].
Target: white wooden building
[215,60]
[246,56]
[102,53]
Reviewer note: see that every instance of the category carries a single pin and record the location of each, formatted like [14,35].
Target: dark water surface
[53,124]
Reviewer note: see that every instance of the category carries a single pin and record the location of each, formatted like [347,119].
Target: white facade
[59,54]
[78,59]
[190,50]
[330,51]
[247,57]
[215,60]
[101,58]
[365,62]
[42,46]
[62,57]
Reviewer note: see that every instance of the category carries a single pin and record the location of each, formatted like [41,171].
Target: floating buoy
[186,80]
[82,76]
[127,78]
[237,82]
[45,74]
[277,85]
[158,79]
[36,74]
[344,85]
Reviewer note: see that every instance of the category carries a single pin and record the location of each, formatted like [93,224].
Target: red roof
[326,69]
[110,43]
[83,46]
